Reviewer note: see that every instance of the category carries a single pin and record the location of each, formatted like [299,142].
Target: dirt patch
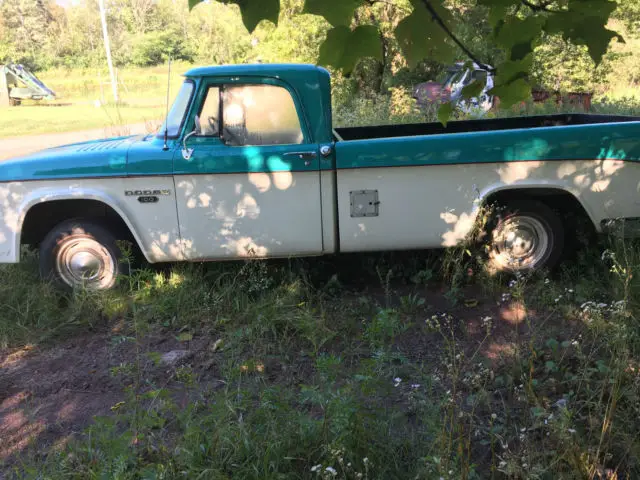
[48,395]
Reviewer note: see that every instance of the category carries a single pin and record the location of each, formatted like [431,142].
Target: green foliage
[420,36]
[336,13]
[154,48]
[423,33]
[444,113]
[344,47]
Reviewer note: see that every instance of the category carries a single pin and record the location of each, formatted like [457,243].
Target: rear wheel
[525,236]
[81,254]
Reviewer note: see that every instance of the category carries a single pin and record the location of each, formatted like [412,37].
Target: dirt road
[23,145]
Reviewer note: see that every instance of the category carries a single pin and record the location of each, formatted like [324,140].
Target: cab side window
[259,115]
[209,122]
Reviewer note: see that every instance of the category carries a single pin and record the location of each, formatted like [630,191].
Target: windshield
[178,110]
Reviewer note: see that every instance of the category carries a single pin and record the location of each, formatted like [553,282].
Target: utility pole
[107,49]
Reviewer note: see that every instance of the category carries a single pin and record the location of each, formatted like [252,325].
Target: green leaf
[336,12]
[537,411]
[185,337]
[473,89]
[498,3]
[584,23]
[512,70]
[252,11]
[552,343]
[344,47]
[444,113]
[512,93]
[520,51]
[515,31]
[420,36]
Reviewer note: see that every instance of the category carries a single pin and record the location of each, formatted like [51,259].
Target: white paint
[154,225]
[268,214]
[436,206]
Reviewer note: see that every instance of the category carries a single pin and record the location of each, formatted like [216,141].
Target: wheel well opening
[43,217]
[566,205]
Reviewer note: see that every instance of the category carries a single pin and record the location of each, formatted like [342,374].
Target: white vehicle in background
[450,89]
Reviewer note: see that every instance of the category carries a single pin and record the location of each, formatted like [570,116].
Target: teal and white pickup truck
[248,165]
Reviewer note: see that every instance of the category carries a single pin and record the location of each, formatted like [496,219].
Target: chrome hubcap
[85,263]
[521,243]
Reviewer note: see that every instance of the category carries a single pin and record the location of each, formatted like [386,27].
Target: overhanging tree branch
[455,39]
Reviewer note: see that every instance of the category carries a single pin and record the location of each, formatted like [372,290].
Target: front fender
[17,199]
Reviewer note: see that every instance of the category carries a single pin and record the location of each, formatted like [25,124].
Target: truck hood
[96,158]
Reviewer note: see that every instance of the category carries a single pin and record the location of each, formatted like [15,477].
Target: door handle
[301,155]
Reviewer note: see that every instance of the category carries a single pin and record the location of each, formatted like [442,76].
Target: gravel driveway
[23,145]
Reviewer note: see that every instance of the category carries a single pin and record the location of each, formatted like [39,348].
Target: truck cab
[258,137]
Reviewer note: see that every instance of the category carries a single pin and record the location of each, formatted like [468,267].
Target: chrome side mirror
[187,152]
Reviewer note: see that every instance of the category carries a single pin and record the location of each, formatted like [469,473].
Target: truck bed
[516,123]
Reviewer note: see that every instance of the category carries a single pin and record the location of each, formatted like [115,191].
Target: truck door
[248,182]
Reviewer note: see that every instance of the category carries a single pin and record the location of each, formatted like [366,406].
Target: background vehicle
[450,89]
[17,84]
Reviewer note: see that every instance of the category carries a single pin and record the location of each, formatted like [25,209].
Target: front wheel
[80,254]
[525,236]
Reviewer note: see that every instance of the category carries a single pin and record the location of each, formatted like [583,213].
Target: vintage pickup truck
[248,164]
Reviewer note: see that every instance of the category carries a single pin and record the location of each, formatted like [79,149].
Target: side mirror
[187,152]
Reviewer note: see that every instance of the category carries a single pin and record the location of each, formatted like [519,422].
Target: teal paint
[216,158]
[147,157]
[102,158]
[310,87]
[618,141]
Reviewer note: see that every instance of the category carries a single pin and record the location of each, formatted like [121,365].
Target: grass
[142,95]
[314,374]
[33,120]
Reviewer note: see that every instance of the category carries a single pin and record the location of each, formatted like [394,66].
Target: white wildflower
[571,430]
[493,416]
[315,468]
[547,281]
[608,255]
[415,386]
[332,471]
[397,381]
